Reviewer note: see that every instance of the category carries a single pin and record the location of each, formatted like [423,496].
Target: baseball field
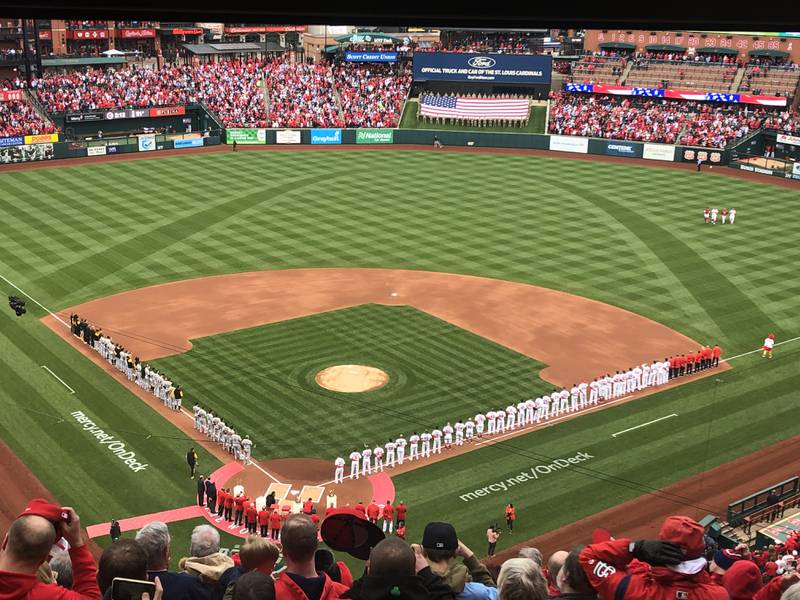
[472,280]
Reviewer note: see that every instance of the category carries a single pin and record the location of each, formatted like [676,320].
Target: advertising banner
[659,152]
[45,34]
[190,143]
[96,151]
[16,140]
[137,33]
[526,69]
[756,170]
[84,116]
[796,171]
[629,149]
[788,139]
[374,136]
[287,136]
[41,139]
[568,143]
[18,154]
[147,143]
[87,34]
[189,31]
[265,29]
[621,90]
[691,155]
[168,111]
[246,136]
[370,56]
[8,95]
[326,136]
[128,113]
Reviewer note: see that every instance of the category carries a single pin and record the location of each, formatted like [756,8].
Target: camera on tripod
[17,304]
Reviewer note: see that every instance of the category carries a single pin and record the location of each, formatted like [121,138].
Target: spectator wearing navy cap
[28,543]
[469,580]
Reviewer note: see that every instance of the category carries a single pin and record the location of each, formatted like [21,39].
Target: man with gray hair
[155,539]
[521,579]
[205,560]
[533,554]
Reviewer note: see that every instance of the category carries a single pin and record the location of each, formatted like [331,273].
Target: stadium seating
[682,75]
[372,95]
[770,81]
[598,69]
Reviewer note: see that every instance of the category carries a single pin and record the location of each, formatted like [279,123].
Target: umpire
[191,460]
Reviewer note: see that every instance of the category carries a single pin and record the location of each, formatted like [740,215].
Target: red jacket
[251,513]
[239,502]
[263,517]
[604,565]
[401,511]
[275,520]
[388,512]
[286,589]
[373,510]
[15,586]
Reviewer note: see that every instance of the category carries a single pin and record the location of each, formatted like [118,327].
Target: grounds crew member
[675,566]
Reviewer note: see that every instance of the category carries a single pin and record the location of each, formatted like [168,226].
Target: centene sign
[531,474]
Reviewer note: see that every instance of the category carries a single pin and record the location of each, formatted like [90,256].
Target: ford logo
[481,62]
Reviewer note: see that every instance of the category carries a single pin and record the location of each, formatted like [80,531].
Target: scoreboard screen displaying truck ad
[522,69]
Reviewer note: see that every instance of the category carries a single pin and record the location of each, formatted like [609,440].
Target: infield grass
[624,234]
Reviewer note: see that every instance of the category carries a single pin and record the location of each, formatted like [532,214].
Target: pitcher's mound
[351,378]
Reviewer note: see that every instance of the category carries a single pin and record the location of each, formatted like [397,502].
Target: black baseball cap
[440,536]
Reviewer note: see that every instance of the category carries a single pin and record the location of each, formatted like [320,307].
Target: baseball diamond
[542,321]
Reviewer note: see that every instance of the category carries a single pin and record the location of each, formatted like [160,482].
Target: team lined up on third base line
[532,411]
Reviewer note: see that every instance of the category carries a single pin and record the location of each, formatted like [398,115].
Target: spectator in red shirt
[373,512]
[401,513]
[263,521]
[275,524]
[388,516]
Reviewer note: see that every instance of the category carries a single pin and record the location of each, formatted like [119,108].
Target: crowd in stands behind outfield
[645,119]
[18,118]
[301,95]
[679,561]
[372,94]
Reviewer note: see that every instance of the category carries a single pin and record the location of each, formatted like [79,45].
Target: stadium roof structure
[664,48]
[771,53]
[618,46]
[84,60]
[233,48]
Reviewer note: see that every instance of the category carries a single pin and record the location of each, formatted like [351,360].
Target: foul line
[59,378]
[52,314]
[643,425]
[794,339]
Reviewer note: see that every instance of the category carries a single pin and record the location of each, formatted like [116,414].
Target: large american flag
[456,107]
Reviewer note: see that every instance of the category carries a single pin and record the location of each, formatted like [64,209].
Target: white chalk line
[643,425]
[52,314]
[794,339]
[59,378]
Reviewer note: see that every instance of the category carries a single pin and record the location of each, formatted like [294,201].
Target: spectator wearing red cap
[743,582]
[27,545]
[675,560]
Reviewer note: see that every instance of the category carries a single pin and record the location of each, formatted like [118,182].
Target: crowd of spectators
[681,561]
[19,118]
[659,120]
[499,42]
[87,24]
[301,95]
[372,95]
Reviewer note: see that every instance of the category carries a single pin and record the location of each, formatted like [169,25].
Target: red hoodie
[19,586]
[604,565]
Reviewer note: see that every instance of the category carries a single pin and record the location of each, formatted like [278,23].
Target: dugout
[768,152]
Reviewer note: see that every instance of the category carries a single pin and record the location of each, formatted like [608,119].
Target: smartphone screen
[131,589]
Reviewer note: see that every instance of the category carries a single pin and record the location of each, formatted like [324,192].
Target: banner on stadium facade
[87,34]
[691,155]
[45,138]
[759,170]
[374,136]
[137,33]
[569,143]
[84,116]
[147,143]
[45,34]
[189,31]
[189,143]
[370,56]
[96,151]
[628,149]
[796,170]
[621,90]
[287,136]
[245,136]
[167,111]
[788,139]
[659,152]
[326,136]
[16,140]
[526,69]
[28,153]
[265,29]
[8,95]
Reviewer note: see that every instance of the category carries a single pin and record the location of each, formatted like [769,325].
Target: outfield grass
[409,120]
[624,234]
[437,372]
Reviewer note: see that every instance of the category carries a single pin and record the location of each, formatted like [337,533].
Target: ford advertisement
[483,68]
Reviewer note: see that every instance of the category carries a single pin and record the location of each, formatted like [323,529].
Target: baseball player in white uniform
[564,401]
[530,410]
[593,391]
[645,376]
[653,377]
[413,446]
[448,435]
[480,420]
[469,429]
[338,471]
[500,421]
[583,388]
[355,464]
[208,423]
[522,419]
[714,212]
[511,417]
[491,422]
[574,396]
[732,215]
[236,444]
[366,462]
[247,448]
[426,444]
[437,441]
[390,453]
[459,429]
[196,410]
[378,454]
[401,449]
[544,408]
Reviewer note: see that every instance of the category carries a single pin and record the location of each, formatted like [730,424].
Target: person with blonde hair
[521,579]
